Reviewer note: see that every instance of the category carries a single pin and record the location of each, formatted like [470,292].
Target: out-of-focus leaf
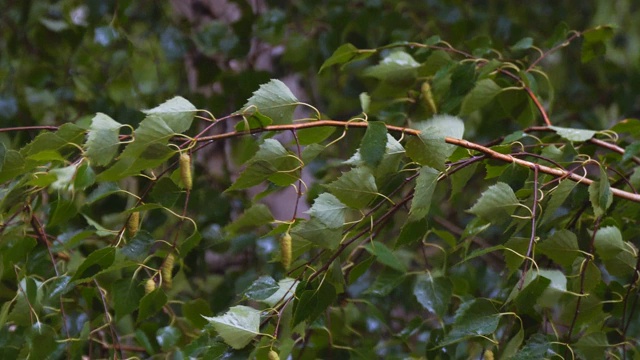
[483,92]
[256,215]
[345,54]
[385,256]
[151,303]
[594,43]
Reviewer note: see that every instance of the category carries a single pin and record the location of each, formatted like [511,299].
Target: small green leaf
[128,296]
[397,67]
[412,232]
[253,121]
[536,348]
[496,204]
[577,135]
[286,289]
[274,100]
[473,318]
[355,188]
[594,43]
[429,148]
[102,139]
[374,143]
[600,194]
[345,54]
[194,310]
[328,210]
[425,185]
[314,135]
[95,262]
[557,198]
[433,293]
[238,326]
[522,44]
[385,256]
[167,337]
[262,288]
[312,303]
[483,92]
[138,248]
[270,159]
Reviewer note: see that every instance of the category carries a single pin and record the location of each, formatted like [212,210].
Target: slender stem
[534,212]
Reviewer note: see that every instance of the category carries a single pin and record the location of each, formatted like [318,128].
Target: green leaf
[286,289]
[270,159]
[483,92]
[429,148]
[397,67]
[274,100]
[314,135]
[412,232]
[148,150]
[433,293]
[328,210]
[128,296]
[256,215]
[385,256]
[102,139]
[496,204]
[345,54]
[577,135]
[138,248]
[151,303]
[355,188]
[238,326]
[473,318]
[262,288]
[167,337]
[68,135]
[594,43]
[561,247]
[536,348]
[600,194]
[95,262]
[41,339]
[194,310]
[317,233]
[374,143]
[557,198]
[176,113]
[425,185]
[592,346]
[522,44]
[310,304]
[254,121]
[608,242]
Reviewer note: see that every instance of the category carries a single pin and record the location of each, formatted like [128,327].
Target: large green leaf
[425,185]
[151,303]
[355,188]
[433,293]
[608,242]
[177,113]
[317,233]
[496,204]
[311,303]
[274,100]
[429,148]
[328,210]
[593,346]
[262,288]
[95,262]
[561,247]
[483,92]
[238,326]
[102,139]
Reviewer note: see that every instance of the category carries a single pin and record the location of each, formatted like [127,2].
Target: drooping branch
[458,142]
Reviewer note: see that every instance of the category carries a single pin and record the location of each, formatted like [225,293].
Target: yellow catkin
[167,271]
[285,250]
[133,224]
[428,97]
[488,355]
[185,170]
[149,286]
[273,355]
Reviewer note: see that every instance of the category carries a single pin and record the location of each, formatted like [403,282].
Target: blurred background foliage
[62,60]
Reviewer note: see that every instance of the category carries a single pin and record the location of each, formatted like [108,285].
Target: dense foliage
[433,196]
